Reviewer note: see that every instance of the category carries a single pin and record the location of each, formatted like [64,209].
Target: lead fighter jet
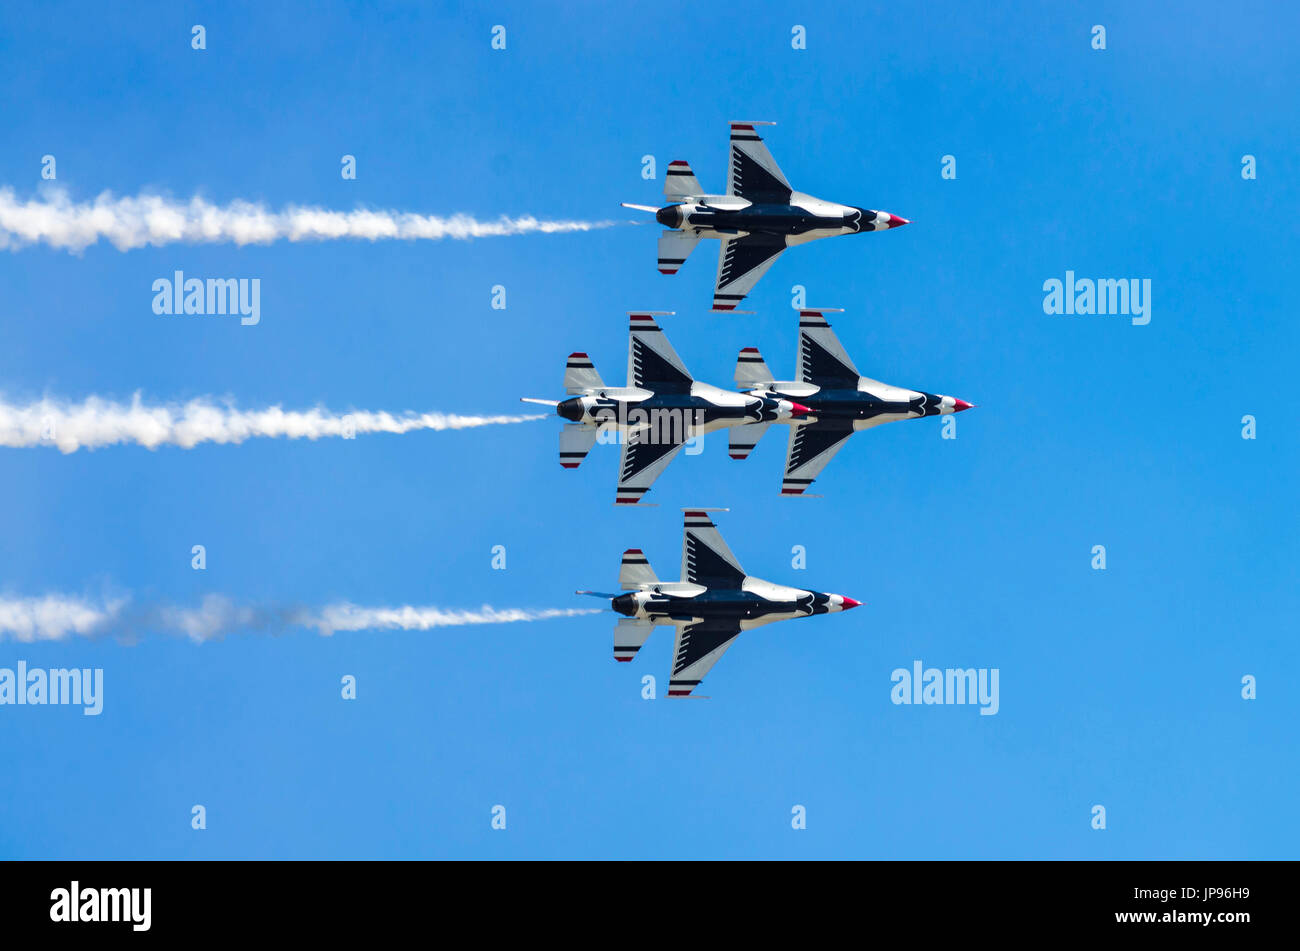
[713,603]
[661,409]
[758,218]
[840,402]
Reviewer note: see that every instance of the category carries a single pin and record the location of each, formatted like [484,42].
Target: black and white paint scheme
[758,218]
[710,606]
[840,402]
[661,409]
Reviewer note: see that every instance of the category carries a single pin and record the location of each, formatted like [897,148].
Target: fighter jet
[662,408]
[758,217]
[713,603]
[840,401]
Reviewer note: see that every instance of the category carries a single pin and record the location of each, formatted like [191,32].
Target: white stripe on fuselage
[773,593]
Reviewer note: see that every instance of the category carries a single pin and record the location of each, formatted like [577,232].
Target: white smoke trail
[96,422]
[55,618]
[134,222]
[350,617]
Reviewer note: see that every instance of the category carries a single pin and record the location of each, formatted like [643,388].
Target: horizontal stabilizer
[751,369]
[680,182]
[629,636]
[674,248]
[745,438]
[580,375]
[576,440]
[635,571]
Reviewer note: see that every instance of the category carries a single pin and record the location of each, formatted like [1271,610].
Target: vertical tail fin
[580,375]
[680,182]
[635,571]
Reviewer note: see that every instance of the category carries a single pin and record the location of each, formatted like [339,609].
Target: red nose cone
[959,405]
[897,222]
[850,603]
[799,409]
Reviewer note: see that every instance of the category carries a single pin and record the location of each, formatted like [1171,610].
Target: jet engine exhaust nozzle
[571,409]
[670,216]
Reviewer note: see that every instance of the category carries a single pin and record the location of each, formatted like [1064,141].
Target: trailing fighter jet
[661,409]
[710,606]
[758,217]
[840,402]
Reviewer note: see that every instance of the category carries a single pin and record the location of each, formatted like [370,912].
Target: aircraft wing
[742,261]
[698,647]
[652,362]
[644,456]
[822,359]
[811,446]
[753,174]
[706,559]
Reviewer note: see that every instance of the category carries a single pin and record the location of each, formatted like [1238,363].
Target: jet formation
[757,218]
[664,409]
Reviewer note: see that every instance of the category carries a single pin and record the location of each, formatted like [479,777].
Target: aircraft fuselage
[801,217]
[867,408]
[697,405]
[755,603]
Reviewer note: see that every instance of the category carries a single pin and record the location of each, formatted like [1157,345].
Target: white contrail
[57,617]
[98,422]
[136,221]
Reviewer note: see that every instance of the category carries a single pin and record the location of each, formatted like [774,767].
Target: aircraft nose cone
[850,603]
[669,217]
[959,405]
[869,220]
[799,409]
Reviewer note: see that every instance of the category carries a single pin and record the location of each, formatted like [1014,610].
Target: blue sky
[1118,687]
